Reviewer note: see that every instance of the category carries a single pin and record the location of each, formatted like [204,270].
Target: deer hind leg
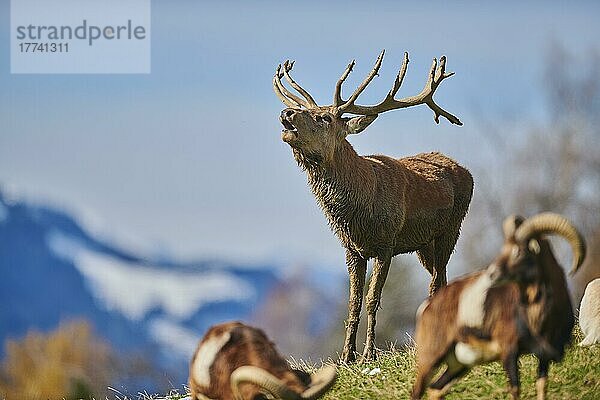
[444,246]
[381,266]
[357,269]
[428,255]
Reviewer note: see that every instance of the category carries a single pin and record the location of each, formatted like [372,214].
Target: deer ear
[358,124]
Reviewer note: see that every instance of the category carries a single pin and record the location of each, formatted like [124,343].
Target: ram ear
[534,246]
[358,124]
[510,225]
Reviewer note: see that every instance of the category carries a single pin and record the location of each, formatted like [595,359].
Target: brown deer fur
[532,313]
[378,206]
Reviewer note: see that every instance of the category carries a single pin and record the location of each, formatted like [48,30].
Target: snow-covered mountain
[53,270]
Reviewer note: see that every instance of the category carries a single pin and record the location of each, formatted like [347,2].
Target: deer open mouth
[290,132]
[288,125]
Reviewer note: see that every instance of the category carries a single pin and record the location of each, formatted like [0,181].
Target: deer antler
[337,96]
[350,102]
[437,74]
[287,97]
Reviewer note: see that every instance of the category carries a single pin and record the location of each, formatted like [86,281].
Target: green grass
[577,377]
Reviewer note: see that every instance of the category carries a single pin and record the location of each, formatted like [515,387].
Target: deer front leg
[381,267]
[357,269]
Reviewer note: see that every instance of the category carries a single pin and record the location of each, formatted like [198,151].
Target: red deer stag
[378,206]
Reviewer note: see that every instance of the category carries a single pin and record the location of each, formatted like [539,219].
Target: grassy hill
[577,377]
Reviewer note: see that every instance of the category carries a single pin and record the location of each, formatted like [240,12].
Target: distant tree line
[71,363]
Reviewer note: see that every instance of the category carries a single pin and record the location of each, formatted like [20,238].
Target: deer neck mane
[342,185]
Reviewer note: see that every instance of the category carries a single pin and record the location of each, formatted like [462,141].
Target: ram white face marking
[206,356]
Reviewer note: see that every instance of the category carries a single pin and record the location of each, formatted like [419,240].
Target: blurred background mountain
[152,310]
[220,224]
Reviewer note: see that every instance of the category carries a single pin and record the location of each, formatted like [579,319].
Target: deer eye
[327,118]
[318,118]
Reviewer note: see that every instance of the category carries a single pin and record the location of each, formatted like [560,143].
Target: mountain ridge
[53,271]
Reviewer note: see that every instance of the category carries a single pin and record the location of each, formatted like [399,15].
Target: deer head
[317,130]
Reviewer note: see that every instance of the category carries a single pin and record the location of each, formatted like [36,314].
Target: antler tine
[443,72]
[287,67]
[350,102]
[337,96]
[279,74]
[436,75]
[277,85]
[431,77]
[399,77]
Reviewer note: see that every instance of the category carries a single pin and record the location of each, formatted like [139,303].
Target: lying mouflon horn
[321,381]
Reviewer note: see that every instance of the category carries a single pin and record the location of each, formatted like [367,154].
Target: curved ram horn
[320,382]
[510,225]
[556,224]
[263,379]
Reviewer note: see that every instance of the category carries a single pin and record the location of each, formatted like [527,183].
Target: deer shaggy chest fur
[378,206]
[373,204]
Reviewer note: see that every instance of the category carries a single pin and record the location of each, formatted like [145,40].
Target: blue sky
[189,159]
